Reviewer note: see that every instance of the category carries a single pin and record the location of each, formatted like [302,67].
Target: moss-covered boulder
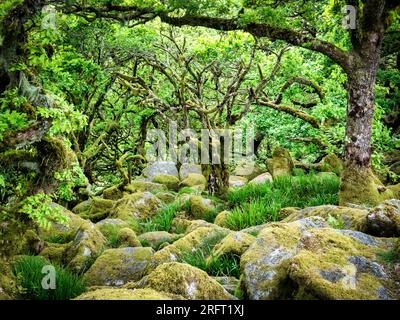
[144,186]
[189,168]
[230,284]
[126,294]
[8,283]
[199,239]
[141,205]
[186,281]
[86,246]
[340,266]
[55,252]
[237,181]
[332,163]
[161,168]
[306,259]
[384,219]
[262,178]
[264,264]
[82,207]
[127,238]
[156,238]
[194,180]
[222,219]
[346,217]
[166,197]
[113,193]
[115,267]
[110,227]
[170,181]
[99,209]
[236,243]
[247,170]
[201,208]
[282,163]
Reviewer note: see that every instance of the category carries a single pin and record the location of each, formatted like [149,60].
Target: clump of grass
[388,257]
[163,220]
[257,204]
[226,265]
[336,223]
[59,238]
[28,271]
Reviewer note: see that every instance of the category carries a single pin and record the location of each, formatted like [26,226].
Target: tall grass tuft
[28,271]
[257,204]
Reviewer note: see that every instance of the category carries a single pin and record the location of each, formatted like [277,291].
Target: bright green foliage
[40,209]
[163,220]
[257,204]
[28,270]
[225,265]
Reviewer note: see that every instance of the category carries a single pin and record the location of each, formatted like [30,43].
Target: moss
[166,197]
[126,294]
[282,163]
[170,181]
[87,245]
[115,267]
[333,163]
[139,206]
[200,208]
[99,209]
[144,186]
[222,219]
[194,179]
[8,286]
[233,244]
[156,238]
[187,281]
[199,239]
[55,253]
[113,193]
[127,238]
[361,186]
[82,207]
[396,190]
[353,218]
[110,227]
[330,255]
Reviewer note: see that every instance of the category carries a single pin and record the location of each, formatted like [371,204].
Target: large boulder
[237,182]
[144,186]
[98,209]
[282,163]
[384,219]
[115,267]
[332,163]
[351,218]
[262,178]
[126,294]
[188,168]
[161,167]
[140,205]
[186,281]
[247,169]
[84,241]
[86,246]
[126,237]
[200,238]
[236,243]
[168,180]
[156,238]
[194,180]
[306,259]
[201,208]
